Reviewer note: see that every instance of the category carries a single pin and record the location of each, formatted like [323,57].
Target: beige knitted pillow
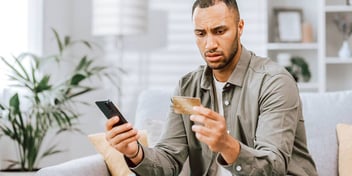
[344,136]
[113,158]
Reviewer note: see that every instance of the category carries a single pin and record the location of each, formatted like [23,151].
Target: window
[20,21]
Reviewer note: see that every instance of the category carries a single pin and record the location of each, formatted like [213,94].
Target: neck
[224,74]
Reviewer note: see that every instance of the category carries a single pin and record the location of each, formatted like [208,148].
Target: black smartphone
[110,110]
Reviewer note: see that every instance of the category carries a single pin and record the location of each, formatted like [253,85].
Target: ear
[240,27]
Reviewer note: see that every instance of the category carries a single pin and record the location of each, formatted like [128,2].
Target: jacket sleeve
[275,134]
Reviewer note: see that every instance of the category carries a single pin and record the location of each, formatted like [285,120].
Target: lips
[212,57]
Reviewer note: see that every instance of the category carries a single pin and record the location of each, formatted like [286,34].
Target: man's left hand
[210,128]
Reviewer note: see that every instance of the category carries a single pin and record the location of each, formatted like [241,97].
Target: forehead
[218,14]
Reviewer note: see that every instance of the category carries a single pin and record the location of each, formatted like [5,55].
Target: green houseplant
[43,105]
[299,69]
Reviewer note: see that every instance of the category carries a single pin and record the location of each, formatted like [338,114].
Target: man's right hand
[124,139]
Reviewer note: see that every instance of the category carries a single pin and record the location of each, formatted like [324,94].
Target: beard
[226,60]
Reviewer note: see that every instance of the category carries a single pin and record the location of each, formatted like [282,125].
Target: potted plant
[43,105]
[299,69]
[343,23]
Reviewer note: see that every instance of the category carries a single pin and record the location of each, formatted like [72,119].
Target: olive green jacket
[263,111]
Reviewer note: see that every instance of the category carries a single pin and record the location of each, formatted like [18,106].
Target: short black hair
[231,4]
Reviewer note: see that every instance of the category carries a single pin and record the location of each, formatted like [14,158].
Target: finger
[118,130]
[206,112]
[121,138]
[111,122]
[202,120]
[205,131]
[203,134]
[128,141]
[215,131]
[209,136]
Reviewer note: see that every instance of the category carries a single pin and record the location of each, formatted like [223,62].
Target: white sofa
[322,112]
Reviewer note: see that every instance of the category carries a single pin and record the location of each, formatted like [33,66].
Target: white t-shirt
[218,89]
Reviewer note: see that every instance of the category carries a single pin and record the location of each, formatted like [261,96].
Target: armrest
[86,166]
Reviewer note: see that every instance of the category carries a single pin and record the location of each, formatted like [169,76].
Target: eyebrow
[199,30]
[213,29]
[219,27]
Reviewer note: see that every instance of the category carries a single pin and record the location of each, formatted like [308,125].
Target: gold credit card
[184,105]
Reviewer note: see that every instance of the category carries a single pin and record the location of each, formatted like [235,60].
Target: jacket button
[238,168]
[226,102]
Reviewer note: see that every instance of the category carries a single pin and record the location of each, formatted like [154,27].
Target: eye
[199,33]
[220,31]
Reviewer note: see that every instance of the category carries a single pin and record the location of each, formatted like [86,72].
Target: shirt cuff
[243,164]
[130,164]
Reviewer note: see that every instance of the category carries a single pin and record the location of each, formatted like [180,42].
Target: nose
[211,43]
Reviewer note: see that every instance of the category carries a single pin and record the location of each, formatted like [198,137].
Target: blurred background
[153,42]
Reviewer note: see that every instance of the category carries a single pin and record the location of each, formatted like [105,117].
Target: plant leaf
[2,107]
[58,41]
[67,40]
[51,151]
[85,90]
[82,63]
[43,84]
[8,132]
[84,42]
[87,44]
[13,68]
[21,66]
[76,79]
[12,164]
[15,103]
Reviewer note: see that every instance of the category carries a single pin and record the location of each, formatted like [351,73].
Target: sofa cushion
[114,159]
[344,135]
[322,112]
[152,112]
[86,166]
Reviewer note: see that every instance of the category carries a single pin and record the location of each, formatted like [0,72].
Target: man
[250,121]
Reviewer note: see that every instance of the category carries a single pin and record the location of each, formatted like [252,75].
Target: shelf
[338,8]
[336,60]
[325,65]
[292,46]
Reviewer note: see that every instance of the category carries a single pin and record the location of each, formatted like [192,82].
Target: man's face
[217,34]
